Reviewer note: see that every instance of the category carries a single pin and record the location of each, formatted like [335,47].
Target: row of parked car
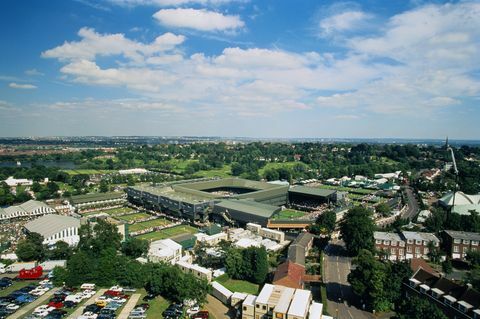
[177,311]
[16,299]
[106,306]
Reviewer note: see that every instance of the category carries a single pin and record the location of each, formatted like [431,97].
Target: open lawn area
[169,232]
[113,211]
[150,223]
[289,214]
[224,172]
[276,165]
[133,217]
[87,171]
[238,285]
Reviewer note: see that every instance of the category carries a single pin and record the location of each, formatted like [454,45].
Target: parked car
[193,310]
[149,297]
[200,315]
[12,306]
[92,308]
[56,304]
[88,315]
[69,304]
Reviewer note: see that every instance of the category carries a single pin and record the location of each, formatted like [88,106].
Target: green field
[276,165]
[87,171]
[151,223]
[169,232]
[224,172]
[133,217]
[113,211]
[289,214]
[238,285]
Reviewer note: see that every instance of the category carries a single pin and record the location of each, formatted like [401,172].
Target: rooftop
[51,224]
[300,302]
[312,191]
[254,208]
[265,294]
[463,235]
[80,199]
[387,236]
[420,236]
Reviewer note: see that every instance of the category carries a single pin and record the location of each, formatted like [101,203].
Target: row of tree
[249,264]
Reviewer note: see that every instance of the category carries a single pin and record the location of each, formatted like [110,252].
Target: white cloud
[198,19]
[341,22]
[14,85]
[94,44]
[33,72]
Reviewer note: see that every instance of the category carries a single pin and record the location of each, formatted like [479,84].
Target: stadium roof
[252,207]
[51,224]
[460,199]
[27,207]
[80,199]
[312,191]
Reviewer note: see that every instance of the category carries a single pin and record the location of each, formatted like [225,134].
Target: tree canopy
[357,229]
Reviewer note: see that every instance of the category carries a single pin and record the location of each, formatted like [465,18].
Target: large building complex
[30,208]
[230,200]
[55,228]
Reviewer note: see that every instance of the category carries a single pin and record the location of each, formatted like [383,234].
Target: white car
[116,288]
[45,282]
[89,293]
[119,300]
[88,315]
[12,306]
[43,308]
[193,310]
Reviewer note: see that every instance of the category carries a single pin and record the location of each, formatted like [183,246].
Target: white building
[165,250]
[211,239]
[196,270]
[56,228]
[133,171]
[14,182]
[28,209]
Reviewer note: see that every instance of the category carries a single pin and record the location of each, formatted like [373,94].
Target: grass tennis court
[133,217]
[289,214]
[169,232]
[113,211]
[151,223]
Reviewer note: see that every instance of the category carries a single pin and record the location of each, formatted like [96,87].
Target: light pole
[456,178]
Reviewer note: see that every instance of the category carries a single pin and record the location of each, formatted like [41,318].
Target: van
[87,287]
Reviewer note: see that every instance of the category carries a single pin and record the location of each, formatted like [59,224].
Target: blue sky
[274,68]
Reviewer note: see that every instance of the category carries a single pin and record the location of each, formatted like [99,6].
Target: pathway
[217,308]
[79,311]
[29,308]
[132,302]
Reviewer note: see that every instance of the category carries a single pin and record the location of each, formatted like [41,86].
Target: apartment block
[458,243]
[390,243]
[405,245]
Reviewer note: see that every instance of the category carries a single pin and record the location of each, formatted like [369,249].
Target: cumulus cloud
[341,22]
[33,72]
[198,19]
[19,86]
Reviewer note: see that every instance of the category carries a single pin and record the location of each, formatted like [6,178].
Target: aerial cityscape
[239,159]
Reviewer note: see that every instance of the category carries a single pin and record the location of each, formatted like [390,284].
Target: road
[131,303]
[342,302]
[29,308]
[412,204]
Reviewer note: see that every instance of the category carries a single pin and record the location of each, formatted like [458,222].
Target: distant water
[59,164]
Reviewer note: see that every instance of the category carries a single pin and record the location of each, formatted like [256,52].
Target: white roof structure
[239,295]
[13,182]
[460,199]
[247,242]
[195,267]
[133,171]
[265,294]
[250,300]
[465,304]
[51,224]
[163,248]
[437,291]
[29,208]
[450,298]
[300,302]
[315,311]
[220,288]
[284,301]
[420,236]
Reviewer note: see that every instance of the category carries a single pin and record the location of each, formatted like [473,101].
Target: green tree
[473,257]
[368,279]
[327,221]
[61,251]
[433,253]
[134,247]
[473,277]
[31,248]
[357,229]
[383,209]
[418,308]
[81,268]
[104,187]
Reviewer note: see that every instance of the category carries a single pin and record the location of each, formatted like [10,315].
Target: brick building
[458,243]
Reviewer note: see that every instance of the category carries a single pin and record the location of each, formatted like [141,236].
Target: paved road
[412,204]
[78,312]
[341,300]
[131,303]
[29,308]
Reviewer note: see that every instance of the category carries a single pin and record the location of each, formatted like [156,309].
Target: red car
[200,315]
[55,304]
[112,293]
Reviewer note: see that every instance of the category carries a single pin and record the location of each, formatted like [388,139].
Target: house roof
[290,275]
[300,302]
[420,236]
[303,239]
[51,224]
[463,235]
[416,263]
[265,294]
[379,235]
[296,254]
[284,301]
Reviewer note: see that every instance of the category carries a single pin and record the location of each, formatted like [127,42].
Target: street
[342,302]
[412,204]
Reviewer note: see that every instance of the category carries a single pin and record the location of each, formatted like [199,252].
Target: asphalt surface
[31,306]
[131,303]
[342,303]
[412,204]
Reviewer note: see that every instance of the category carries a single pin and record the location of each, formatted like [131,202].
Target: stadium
[229,200]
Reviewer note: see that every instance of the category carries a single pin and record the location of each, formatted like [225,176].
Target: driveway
[78,312]
[341,300]
[29,308]
[217,308]
[131,303]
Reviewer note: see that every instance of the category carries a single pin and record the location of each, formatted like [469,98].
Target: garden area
[238,285]
[168,232]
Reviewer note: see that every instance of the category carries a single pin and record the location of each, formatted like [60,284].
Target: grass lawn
[238,285]
[150,223]
[87,171]
[113,211]
[276,165]
[169,232]
[225,172]
[289,214]
[16,285]
[133,217]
